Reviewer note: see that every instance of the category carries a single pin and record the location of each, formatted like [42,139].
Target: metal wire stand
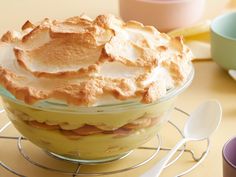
[77,172]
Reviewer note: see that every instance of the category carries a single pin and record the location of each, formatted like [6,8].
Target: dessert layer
[81,61]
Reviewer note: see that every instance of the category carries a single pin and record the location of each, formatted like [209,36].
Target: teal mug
[223,40]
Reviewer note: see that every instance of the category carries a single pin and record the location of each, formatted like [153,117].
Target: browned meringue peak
[83,61]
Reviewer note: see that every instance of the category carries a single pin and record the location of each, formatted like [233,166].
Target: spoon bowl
[203,121]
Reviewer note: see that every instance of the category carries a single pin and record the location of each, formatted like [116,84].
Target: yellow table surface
[210,82]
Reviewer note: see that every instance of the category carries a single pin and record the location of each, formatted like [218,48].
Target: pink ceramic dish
[164,14]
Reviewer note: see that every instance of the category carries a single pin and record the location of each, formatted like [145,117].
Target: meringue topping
[81,61]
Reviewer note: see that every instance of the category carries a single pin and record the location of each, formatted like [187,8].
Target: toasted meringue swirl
[82,62]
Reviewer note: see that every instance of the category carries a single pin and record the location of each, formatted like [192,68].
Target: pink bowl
[164,14]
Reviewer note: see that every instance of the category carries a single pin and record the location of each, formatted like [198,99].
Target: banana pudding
[100,87]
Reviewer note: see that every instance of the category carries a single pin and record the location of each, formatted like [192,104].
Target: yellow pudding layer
[95,146]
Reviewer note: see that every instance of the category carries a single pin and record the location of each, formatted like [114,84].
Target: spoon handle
[158,168]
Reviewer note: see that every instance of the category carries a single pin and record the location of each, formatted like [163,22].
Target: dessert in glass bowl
[91,90]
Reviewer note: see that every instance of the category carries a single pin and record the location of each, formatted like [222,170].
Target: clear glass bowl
[90,134]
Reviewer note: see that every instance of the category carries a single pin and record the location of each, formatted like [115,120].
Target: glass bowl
[90,134]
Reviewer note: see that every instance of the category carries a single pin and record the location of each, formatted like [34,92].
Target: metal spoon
[200,125]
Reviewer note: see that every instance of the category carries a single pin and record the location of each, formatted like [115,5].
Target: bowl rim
[115,107]
[220,18]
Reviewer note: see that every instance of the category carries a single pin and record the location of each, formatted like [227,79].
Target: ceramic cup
[223,40]
[229,158]
[165,15]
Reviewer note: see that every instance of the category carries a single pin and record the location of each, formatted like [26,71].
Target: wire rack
[78,172]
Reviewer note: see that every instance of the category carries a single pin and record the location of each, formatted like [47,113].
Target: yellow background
[13,13]
[210,82]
